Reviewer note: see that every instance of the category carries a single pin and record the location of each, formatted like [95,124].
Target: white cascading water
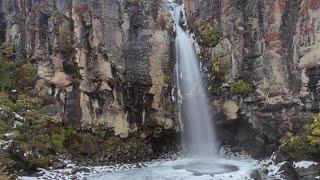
[197,119]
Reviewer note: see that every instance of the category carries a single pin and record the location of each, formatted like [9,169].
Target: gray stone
[287,171]
[255,175]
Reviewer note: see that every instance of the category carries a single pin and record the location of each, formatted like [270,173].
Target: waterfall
[198,124]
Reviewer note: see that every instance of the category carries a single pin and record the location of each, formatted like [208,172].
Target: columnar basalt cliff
[103,64]
[273,48]
[105,76]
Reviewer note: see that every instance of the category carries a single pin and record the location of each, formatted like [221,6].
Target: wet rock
[84,169]
[308,169]
[287,171]
[255,174]
[58,165]
[273,45]
[255,147]
[280,156]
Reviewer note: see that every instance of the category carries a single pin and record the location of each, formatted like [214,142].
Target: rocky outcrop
[271,45]
[107,63]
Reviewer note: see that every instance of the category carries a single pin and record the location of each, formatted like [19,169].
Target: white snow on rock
[274,169]
[4,144]
[18,117]
[304,164]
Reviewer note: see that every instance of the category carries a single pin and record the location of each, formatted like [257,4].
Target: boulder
[279,156]
[307,168]
[61,79]
[286,171]
[255,175]
[230,109]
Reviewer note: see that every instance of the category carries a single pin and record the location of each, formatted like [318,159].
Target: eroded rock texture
[274,45]
[100,63]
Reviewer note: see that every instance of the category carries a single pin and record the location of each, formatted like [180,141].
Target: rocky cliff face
[100,63]
[109,64]
[273,46]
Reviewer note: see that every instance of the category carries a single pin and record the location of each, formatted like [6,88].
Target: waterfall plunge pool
[186,169]
[180,169]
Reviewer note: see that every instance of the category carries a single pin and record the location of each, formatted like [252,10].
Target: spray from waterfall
[198,125]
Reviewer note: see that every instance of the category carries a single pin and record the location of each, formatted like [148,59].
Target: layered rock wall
[100,63]
[273,45]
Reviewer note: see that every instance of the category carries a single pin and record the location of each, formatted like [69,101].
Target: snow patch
[304,164]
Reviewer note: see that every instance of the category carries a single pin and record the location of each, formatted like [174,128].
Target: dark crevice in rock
[72,106]
[2,28]
[287,32]
[313,85]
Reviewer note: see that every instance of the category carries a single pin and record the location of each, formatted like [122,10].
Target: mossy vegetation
[305,145]
[7,74]
[6,51]
[25,76]
[240,87]
[314,134]
[15,75]
[210,37]
[8,5]
[7,66]
[20,118]
[39,142]
[214,36]
[171,108]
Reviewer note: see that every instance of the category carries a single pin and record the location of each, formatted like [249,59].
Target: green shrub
[6,51]
[30,138]
[16,76]
[23,103]
[6,123]
[7,69]
[314,134]
[306,144]
[25,76]
[240,87]
[58,138]
[214,36]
